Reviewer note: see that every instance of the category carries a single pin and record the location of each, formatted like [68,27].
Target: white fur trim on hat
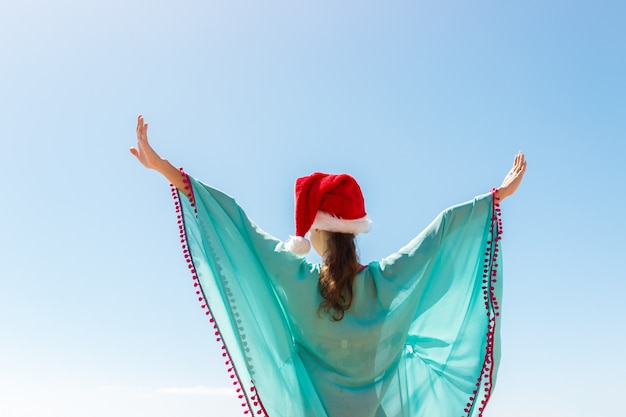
[330,223]
[298,245]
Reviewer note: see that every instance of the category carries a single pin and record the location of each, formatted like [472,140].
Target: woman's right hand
[150,159]
[144,152]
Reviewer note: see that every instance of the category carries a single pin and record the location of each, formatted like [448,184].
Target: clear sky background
[425,102]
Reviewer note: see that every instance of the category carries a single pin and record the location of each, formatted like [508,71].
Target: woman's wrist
[501,193]
[163,166]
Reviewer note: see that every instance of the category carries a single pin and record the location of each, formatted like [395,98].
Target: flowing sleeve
[446,283]
[237,269]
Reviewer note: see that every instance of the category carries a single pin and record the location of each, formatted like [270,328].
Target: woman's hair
[340,266]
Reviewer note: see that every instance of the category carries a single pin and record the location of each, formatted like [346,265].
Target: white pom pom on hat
[298,245]
[331,202]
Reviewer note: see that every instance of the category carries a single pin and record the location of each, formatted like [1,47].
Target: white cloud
[198,390]
[151,391]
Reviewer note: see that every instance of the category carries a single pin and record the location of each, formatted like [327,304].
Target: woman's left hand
[513,178]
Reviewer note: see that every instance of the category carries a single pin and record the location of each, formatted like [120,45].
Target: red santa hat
[331,202]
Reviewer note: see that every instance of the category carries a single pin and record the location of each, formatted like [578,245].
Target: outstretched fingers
[143,151]
[142,129]
[140,135]
[514,177]
[139,125]
[520,162]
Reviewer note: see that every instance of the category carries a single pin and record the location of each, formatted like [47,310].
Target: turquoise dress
[421,338]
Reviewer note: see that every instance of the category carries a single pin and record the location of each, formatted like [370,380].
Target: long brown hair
[341,265]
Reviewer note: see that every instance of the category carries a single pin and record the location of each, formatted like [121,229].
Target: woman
[415,334]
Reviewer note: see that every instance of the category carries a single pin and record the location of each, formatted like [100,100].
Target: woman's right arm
[150,159]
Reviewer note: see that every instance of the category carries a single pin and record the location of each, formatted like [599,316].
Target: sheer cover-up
[421,338]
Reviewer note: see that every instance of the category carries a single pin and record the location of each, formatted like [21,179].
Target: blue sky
[426,103]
